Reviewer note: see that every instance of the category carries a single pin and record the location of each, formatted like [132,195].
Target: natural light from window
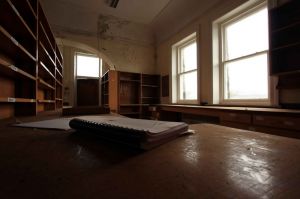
[247,78]
[245,60]
[188,72]
[87,66]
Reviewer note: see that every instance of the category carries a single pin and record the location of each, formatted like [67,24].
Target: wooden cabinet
[130,94]
[282,122]
[284,38]
[29,61]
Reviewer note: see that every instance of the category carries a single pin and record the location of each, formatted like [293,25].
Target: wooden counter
[284,122]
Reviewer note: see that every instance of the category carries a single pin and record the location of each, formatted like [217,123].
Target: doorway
[88,70]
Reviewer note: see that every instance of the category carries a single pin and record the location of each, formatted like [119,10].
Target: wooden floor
[215,162]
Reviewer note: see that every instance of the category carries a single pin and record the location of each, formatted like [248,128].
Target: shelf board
[149,97]
[59,62]
[46,101]
[129,113]
[58,99]
[286,73]
[104,82]
[21,20]
[13,45]
[146,104]
[31,8]
[16,100]
[10,70]
[47,38]
[130,80]
[286,46]
[59,55]
[43,21]
[46,69]
[47,54]
[130,104]
[285,27]
[58,82]
[57,71]
[45,85]
[150,85]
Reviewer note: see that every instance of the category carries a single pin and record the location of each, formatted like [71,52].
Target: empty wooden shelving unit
[285,50]
[130,94]
[30,61]
[284,38]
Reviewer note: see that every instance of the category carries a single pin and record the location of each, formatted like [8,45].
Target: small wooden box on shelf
[27,60]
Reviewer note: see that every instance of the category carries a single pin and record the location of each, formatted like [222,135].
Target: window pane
[87,66]
[188,86]
[247,78]
[188,57]
[247,36]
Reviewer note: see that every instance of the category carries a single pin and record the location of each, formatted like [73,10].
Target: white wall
[129,45]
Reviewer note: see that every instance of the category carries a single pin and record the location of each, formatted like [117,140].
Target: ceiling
[141,11]
[163,16]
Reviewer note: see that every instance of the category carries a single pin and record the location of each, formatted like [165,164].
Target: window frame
[248,11]
[176,69]
[87,55]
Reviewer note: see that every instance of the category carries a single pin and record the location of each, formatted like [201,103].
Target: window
[185,84]
[87,65]
[244,57]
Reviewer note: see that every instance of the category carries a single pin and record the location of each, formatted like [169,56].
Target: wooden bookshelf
[284,38]
[130,94]
[150,89]
[109,90]
[31,66]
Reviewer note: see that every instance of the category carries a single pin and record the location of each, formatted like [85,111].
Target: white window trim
[176,68]
[218,70]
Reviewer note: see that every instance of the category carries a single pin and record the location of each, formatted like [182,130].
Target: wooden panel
[87,92]
[40,107]
[113,90]
[6,110]
[191,110]
[165,86]
[40,94]
[292,123]
[129,92]
[7,87]
[236,117]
